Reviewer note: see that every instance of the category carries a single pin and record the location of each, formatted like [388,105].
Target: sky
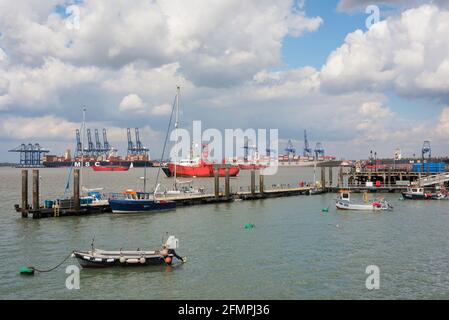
[286,65]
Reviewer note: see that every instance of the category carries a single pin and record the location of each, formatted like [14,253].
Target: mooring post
[323,178]
[253,181]
[261,183]
[341,177]
[227,185]
[217,183]
[36,189]
[76,189]
[24,193]
[330,177]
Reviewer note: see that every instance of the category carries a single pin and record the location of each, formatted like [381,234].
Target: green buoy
[249,226]
[28,271]
[325,210]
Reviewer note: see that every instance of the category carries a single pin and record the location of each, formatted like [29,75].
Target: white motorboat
[344,203]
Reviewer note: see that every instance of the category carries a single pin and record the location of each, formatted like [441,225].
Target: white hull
[360,207]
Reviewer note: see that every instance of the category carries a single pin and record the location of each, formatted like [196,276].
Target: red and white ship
[198,168]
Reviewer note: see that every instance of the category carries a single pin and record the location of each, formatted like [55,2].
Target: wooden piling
[261,183]
[227,185]
[76,189]
[217,183]
[36,189]
[24,193]
[253,181]
[341,177]
[323,177]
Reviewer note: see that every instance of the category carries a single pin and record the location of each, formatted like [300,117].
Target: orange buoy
[167,260]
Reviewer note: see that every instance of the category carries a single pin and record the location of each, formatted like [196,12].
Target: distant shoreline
[7,164]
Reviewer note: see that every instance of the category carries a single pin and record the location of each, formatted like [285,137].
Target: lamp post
[375,161]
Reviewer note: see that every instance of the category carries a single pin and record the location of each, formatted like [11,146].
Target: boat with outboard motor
[344,203]
[96,258]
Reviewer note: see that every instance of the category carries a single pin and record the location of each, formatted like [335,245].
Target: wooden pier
[61,208]
[73,207]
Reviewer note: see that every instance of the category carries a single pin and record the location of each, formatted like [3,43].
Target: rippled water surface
[294,252]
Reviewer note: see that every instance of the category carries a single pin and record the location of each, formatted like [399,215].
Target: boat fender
[122,259]
[132,260]
[168,260]
[142,260]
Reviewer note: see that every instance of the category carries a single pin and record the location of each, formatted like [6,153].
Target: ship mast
[178,88]
[83,128]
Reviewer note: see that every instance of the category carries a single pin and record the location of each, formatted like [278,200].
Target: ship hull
[124,163]
[199,171]
[110,168]
[134,206]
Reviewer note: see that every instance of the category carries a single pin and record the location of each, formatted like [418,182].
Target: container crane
[307,150]
[291,151]
[319,150]
[426,149]
[79,145]
[106,145]
[98,147]
[130,142]
[90,144]
[30,155]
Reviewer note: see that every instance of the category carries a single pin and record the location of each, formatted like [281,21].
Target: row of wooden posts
[35,189]
[227,192]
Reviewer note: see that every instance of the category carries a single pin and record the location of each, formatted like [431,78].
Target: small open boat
[96,258]
[344,203]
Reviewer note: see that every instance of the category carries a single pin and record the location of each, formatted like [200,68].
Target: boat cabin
[345,196]
[415,190]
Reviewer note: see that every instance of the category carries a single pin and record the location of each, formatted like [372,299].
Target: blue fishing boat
[131,201]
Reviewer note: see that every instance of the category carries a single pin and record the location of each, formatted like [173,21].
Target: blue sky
[258,64]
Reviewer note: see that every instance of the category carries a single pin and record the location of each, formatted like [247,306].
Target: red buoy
[167,260]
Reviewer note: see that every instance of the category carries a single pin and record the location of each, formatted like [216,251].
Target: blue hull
[122,206]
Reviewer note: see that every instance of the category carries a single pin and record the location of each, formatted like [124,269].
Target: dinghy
[96,258]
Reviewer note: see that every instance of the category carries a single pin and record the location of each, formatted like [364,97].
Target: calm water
[294,252]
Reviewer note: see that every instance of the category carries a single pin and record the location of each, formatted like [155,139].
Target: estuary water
[295,251]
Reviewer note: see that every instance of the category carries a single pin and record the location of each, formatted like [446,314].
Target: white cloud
[400,53]
[351,5]
[219,43]
[374,110]
[162,109]
[133,103]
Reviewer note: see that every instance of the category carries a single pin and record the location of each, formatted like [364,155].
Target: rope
[55,267]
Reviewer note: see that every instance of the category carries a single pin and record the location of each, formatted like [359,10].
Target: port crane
[90,144]
[426,150]
[30,154]
[79,145]
[291,151]
[106,145]
[98,147]
[136,148]
[130,141]
[319,150]
[307,150]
